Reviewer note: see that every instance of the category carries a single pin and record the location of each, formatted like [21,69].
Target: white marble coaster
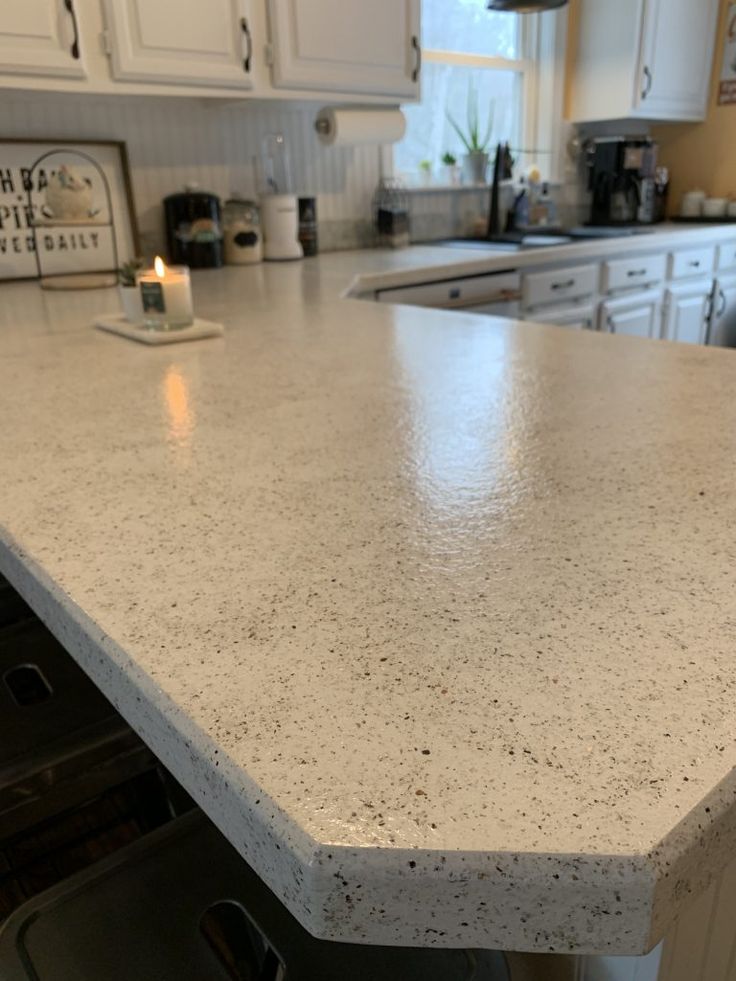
[115,323]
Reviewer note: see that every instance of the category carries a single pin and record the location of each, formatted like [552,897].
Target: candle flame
[159,266]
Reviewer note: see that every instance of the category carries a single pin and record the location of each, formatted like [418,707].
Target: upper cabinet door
[184,42]
[351,46]
[40,37]
[676,58]
[649,59]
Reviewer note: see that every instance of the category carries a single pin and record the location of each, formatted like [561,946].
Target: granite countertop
[431,612]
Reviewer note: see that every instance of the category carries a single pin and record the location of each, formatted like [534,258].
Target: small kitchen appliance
[279,207]
[622,180]
[194,228]
[308,225]
[280,216]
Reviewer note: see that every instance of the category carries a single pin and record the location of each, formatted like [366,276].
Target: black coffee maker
[622,181]
[194,228]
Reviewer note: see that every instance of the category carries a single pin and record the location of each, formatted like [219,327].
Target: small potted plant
[130,296]
[475,162]
[425,171]
[452,171]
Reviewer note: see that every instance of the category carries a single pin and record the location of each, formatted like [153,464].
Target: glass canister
[242,231]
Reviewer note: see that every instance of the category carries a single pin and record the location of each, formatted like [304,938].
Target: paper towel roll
[358,127]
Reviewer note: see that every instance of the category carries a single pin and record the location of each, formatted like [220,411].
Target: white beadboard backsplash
[172,142]
[175,141]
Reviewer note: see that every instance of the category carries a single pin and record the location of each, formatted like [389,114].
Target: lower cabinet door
[687,309]
[576,318]
[638,315]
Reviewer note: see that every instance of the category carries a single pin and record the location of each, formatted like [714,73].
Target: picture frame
[66,209]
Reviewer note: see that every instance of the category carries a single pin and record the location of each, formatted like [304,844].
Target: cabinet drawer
[692,262]
[473,291]
[726,256]
[545,288]
[579,316]
[624,274]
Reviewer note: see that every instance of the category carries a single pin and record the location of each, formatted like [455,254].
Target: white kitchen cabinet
[181,41]
[560,285]
[346,46]
[643,58]
[41,38]
[638,315]
[692,262]
[686,311]
[637,273]
[726,256]
[492,293]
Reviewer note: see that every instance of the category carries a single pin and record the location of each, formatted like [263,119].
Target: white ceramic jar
[692,204]
[715,207]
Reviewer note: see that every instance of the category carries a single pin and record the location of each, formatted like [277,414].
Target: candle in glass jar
[166,295]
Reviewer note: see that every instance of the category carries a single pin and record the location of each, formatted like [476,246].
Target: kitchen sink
[479,245]
[518,241]
[523,242]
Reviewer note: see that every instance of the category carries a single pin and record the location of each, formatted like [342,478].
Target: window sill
[418,189]
[444,188]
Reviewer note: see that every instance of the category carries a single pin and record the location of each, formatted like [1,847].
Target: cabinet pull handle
[636,272]
[69,6]
[417,57]
[722,304]
[647,82]
[568,283]
[248,44]
[694,263]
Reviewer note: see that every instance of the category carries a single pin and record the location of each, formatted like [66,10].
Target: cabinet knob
[69,7]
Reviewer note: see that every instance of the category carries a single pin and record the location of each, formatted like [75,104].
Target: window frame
[540,66]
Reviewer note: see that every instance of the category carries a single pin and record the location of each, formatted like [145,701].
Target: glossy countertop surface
[433,613]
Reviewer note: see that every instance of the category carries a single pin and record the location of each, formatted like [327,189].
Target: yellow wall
[702,154]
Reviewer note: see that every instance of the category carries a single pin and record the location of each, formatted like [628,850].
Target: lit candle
[166,294]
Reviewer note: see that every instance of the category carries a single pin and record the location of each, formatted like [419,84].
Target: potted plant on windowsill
[452,171]
[425,172]
[130,296]
[475,161]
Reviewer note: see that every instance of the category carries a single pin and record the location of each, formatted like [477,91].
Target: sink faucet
[502,171]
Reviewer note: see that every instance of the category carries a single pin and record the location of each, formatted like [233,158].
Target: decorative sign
[727,88]
[65,207]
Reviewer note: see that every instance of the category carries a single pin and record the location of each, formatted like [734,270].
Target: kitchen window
[510,64]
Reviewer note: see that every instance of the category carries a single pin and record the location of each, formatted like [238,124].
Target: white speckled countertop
[433,613]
